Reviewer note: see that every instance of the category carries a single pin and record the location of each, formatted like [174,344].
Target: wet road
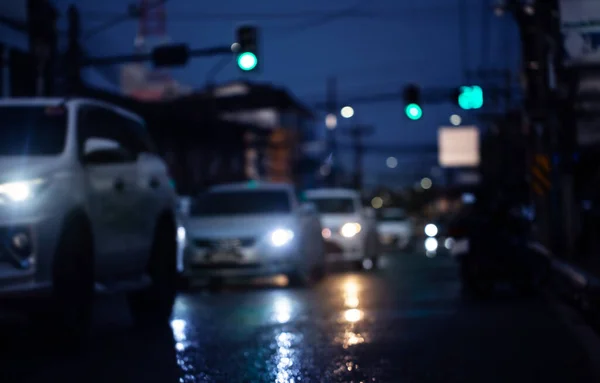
[404,323]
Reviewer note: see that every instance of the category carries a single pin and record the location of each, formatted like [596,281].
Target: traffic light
[412,102]
[470,97]
[247,55]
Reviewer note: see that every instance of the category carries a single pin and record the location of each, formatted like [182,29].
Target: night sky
[371,47]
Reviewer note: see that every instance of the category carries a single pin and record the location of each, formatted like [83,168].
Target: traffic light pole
[548,116]
[357,132]
[73,56]
[112,60]
[41,28]
[332,109]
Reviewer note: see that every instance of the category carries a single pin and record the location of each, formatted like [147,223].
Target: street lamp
[391,162]
[426,183]
[331,121]
[347,112]
[455,119]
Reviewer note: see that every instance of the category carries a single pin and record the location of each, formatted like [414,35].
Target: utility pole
[543,79]
[356,133]
[331,123]
[41,28]
[74,54]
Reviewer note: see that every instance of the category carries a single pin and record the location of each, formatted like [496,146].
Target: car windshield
[241,203]
[32,130]
[335,205]
[393,215]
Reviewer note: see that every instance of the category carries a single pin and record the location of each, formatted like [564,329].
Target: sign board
[580,24]
[141,83]
[458,146]
[267,118]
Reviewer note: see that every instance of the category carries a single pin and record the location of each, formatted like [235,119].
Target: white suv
[85,207]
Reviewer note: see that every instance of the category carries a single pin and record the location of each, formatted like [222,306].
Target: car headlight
[349,230]
[431,244]
[431,230]
[281,237]
[20,191]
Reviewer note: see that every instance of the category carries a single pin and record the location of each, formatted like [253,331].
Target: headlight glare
[431,230]
[21,190]
[281,237]
[350,229]
[431,244]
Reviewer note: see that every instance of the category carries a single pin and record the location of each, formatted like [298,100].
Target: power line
[354,12]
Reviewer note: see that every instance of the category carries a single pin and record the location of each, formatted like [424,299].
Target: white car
[253,229]
[395,228]
[85,207]
[349,229]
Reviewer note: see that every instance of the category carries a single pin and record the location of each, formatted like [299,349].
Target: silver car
[251,229]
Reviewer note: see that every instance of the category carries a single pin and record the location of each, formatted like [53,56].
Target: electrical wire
[353,11]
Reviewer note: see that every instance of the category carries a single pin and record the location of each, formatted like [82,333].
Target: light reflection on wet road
[404,323]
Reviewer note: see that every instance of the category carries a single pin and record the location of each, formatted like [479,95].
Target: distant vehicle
[253,229]
[395,228]
[85,207]
[349,230]
[438,238]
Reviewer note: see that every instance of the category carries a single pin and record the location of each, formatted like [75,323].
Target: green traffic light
[413,111]
[470,97]
[247,61]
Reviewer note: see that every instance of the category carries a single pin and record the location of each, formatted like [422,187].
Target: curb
[578,277]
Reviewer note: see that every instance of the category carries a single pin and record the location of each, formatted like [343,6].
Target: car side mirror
[100,151]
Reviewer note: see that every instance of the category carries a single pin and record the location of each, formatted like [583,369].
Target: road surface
[406,322]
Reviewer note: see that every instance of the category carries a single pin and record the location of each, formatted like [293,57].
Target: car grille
[216,243]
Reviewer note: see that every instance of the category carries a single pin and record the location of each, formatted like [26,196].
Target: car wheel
[71,305]
[154,304]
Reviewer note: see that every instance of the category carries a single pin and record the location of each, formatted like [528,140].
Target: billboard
[458,146]
[580,24]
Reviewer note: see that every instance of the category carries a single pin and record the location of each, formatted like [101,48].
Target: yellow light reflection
[351,302]
[353,315]
[351,289]
[352,339]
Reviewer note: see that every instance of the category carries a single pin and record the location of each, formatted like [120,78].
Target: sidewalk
[578,282]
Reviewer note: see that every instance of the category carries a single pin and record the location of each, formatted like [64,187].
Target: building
[275,149]
[231,133]
[235,131]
